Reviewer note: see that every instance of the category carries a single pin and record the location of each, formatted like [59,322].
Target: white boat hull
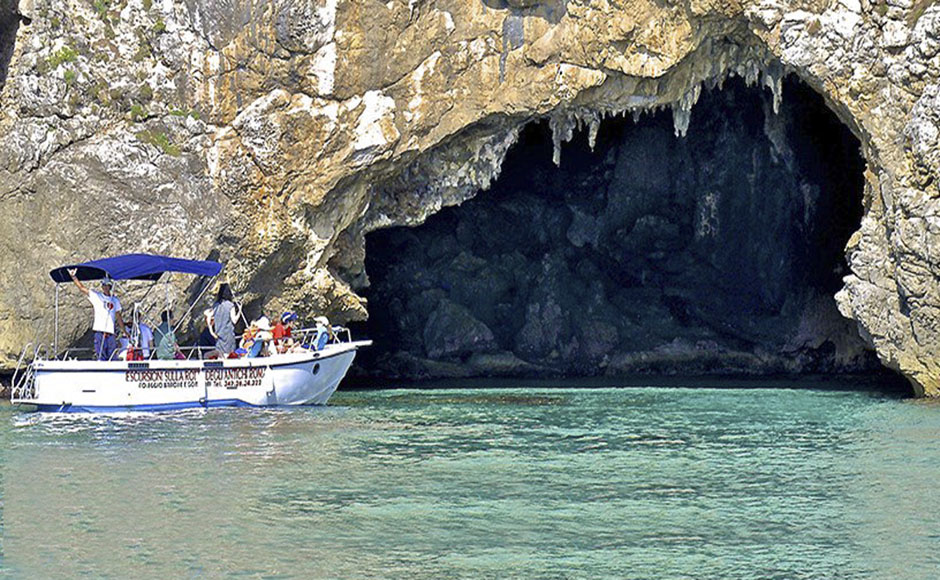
[307,378]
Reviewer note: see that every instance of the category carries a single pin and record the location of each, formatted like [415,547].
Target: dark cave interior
[714,253]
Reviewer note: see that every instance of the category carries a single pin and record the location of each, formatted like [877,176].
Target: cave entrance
[714,253]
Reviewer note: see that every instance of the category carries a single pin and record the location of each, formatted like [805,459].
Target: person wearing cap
[282,332]
[107,315]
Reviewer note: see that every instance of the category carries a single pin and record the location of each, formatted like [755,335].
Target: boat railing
[86,353]
[305,337]
[310,334]
[23,383]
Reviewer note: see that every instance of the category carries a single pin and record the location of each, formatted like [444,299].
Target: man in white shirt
[107,313]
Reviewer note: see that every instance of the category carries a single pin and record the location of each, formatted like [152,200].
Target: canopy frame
[142,267]
[134,267]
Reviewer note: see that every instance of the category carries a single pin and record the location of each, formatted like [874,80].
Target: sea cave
[713,253]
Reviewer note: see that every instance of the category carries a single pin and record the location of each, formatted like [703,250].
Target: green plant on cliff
[137,112]
[159,27]
[143,52]
[115,95]
[61,56]
[159,140]
[917,10]
[99,92]
[185,113]
[70,76]
[101,8]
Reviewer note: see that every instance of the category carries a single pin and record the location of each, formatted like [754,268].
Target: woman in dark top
[224,317]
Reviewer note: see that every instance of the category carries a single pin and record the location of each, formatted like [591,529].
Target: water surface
[532,483]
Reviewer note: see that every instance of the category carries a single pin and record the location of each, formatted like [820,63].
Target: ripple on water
[483,483]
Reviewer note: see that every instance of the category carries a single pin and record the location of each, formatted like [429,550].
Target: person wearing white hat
[324,332]
[262,337]
[107,315]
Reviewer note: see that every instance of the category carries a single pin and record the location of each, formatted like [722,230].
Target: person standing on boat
[224,317]
[107,313]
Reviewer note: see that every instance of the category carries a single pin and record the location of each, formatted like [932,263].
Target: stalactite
[682,110]
[593,127]
[773,79]
[562,127]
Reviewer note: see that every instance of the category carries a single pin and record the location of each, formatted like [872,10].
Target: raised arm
[72,272]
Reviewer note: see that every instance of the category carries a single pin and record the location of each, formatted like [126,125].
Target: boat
[69,381]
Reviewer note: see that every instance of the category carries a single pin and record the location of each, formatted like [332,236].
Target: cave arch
[714,253]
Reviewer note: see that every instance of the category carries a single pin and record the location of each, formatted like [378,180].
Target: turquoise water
[529,483]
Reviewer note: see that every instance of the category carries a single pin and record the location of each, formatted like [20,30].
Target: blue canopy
[135,267]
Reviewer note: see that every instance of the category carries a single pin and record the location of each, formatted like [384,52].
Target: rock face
[277,135]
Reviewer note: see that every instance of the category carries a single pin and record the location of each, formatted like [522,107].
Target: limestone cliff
[277,134]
